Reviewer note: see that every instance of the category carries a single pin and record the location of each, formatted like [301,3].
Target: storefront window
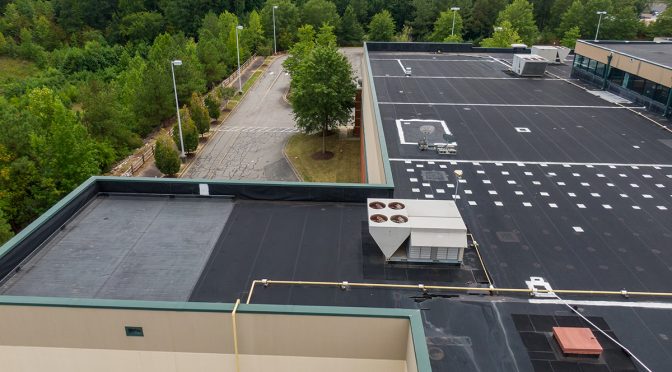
[616,76]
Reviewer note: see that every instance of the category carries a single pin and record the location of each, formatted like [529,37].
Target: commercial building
[564,196]
[640,71]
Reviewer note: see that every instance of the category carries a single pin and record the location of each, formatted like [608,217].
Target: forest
[83,82]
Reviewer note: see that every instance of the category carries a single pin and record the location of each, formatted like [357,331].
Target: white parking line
[542,163]
[505,105]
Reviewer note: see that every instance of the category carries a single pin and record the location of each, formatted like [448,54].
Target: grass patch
[251,80]
[344,167]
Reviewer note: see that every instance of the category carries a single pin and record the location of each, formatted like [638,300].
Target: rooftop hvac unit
[553,54]
[529,65]
[418,230]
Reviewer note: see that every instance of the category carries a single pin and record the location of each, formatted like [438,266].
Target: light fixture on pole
[174,63]
[458,175]
[455,9]
[275,43]
[240,83]
[601,13]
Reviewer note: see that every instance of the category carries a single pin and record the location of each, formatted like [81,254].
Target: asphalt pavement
[248,145]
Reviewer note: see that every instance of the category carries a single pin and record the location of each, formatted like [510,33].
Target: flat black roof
[656,52]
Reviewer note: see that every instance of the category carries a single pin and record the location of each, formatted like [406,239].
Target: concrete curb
[289,161]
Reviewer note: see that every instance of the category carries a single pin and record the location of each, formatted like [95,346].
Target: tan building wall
[374,157]
[33,338]
[628,64]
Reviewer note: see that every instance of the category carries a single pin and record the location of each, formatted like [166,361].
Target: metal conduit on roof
[424,288]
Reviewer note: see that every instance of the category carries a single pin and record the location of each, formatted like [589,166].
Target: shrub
[166,155]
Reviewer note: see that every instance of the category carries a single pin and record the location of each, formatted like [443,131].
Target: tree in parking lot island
[323,92]
[381,27]
[189,132]
[166,155]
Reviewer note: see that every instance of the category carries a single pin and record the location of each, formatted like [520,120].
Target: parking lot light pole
[601,13]
[458,175]
[240,83]
[454,9]
[174,63]
[275,43]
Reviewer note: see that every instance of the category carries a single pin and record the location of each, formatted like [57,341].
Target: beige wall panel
[31,359]
[374,158]
[411,362]
[104,329]
[634,66]
[324,336]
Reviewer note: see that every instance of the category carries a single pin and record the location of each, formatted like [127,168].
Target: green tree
[350,31]
[503,37]
[571,18]
[443,27]
[106,118]
[663,24]
[189,132]
[166,155]
[141,26]
[63,149]
[212,103]
[323,93]
[301,49]
[287,20]
[361,10]
[254,32]
[483,16]
[405,35]
[325,36]
[6,232]
[558,8]
[318,12]
[570,37]
[199,113]
[381,27]
[423,18]
[521,16]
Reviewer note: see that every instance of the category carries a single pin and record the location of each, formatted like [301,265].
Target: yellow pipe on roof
[422,287]
[235,334]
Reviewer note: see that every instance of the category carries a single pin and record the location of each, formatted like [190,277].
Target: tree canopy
[381,27]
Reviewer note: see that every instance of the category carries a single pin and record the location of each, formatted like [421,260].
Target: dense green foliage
[166,155]
[323,93]
[82,82]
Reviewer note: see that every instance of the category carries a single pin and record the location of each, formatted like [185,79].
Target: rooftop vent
[529,65]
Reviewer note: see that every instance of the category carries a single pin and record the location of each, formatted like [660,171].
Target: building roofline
[604,47]
[412,315]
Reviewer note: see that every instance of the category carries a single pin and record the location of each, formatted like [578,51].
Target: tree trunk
[324,145]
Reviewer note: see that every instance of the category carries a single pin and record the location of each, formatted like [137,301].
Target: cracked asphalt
[248,145]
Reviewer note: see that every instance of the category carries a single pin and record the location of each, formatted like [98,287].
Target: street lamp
[454,9]
[275,43]
[458,175]
[601,13]
[240,83]
[174,63]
